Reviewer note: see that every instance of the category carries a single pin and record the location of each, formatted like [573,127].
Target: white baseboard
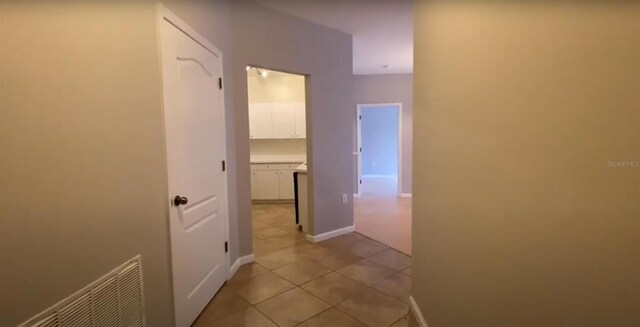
[331,234]
[356,195]
[405,195]
[417,313]
[239,262]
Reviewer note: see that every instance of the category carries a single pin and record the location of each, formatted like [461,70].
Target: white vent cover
[114,300]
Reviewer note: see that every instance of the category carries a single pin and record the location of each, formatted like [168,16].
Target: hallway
[386,219]
[349,280]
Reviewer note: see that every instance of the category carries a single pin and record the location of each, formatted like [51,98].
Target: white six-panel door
[195,142]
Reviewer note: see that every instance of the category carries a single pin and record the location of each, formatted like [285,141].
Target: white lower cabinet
[285,183]
[262,185]
[272,181]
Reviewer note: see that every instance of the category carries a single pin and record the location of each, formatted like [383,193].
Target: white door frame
[163,14]
[358,153]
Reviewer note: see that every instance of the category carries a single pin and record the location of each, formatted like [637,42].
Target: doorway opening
[278,154]
[379,140]
[381,212]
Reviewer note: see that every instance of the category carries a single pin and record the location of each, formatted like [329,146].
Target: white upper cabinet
[277,120]
[300,130]
[260,120]
[283,121]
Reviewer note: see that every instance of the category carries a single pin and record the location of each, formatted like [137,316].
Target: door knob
[180,200]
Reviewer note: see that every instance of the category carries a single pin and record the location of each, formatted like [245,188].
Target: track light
[261,72]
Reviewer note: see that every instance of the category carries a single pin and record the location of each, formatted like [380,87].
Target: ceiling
[382,29]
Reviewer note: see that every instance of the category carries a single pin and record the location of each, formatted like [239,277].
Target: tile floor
[350,280]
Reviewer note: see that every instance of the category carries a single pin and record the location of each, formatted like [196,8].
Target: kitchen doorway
[278,153]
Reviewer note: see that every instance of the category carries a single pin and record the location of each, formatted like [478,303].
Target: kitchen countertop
[285,158]
[302,168]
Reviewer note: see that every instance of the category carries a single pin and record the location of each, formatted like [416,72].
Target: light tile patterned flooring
[350,280]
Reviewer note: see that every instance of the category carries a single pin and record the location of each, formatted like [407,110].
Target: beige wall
[297,147]
[83,183]
[268,38]
[518,218]
[82,172]
[391,88]
[276,88]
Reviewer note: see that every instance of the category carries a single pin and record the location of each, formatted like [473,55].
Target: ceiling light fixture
[262,72]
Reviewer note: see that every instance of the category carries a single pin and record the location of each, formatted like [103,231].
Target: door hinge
[220,82]
[360,117]
[224,165]
[360,149]
[360,181]
[226,247]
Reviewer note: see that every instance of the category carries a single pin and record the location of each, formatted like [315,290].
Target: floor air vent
[114,300]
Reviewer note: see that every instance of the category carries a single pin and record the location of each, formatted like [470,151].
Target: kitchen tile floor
[350,280]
